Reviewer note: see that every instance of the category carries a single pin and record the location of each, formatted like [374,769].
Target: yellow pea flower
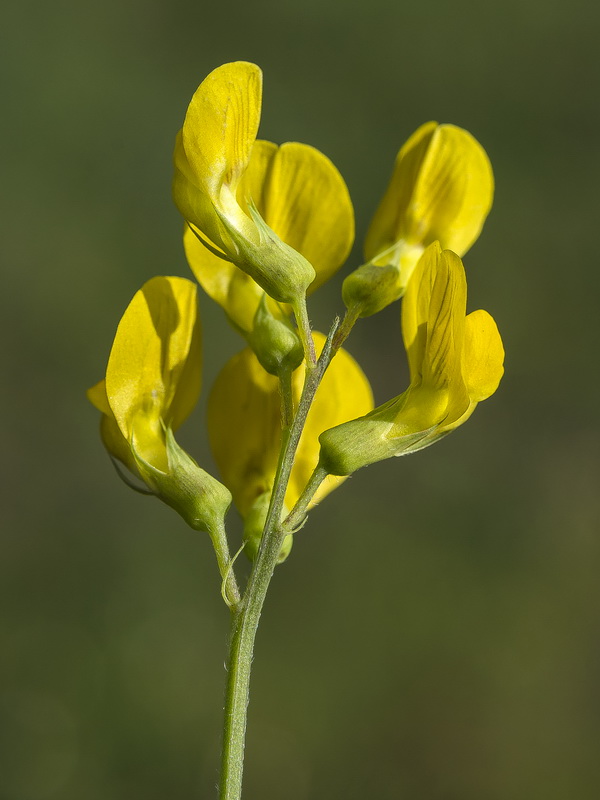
[152,384]
[441,189]
[212,156]
[303,198]
[456,360]
[244,424]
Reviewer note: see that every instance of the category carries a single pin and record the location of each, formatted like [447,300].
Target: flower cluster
[265,225]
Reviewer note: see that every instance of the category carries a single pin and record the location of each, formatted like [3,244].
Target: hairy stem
[301,314]
[343,331]
[297,515]
[230,591]
[287,399]
[246,615]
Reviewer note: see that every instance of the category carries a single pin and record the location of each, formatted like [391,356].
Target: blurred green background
[434,635]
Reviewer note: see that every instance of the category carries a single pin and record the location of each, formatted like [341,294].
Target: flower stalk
[246,616]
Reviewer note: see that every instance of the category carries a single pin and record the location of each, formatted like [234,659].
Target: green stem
[342,333]
[301,314]
[287,399]
[297,515]
[244,624]
[246,615]
[231,593]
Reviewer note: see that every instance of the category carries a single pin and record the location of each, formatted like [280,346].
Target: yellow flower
[152,384]
[441,189]
[217,189]
[455,360]
[244,424]
[303,198]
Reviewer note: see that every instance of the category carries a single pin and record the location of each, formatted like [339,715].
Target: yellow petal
[433,317]
[193,202]
[97,396]
[433,328]
[154,370]
[483,356]
[235,291]
[116,444]
[254,183]
[244,422]
[301,195]
[446,296]
[112,438]
[244,428]
[389,223]
[221,125]
[455,360]
[415,309]
[441,188]
[188,378]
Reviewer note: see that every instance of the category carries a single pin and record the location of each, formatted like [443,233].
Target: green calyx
[371,288]
[281,271]
[374,437]
[382,280]
[199,498]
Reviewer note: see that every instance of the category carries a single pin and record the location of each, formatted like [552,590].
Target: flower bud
[274,341]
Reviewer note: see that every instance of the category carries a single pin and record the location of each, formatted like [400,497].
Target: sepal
[380,282]
[371,288]
[199,498]
[360,442]
[281,271]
